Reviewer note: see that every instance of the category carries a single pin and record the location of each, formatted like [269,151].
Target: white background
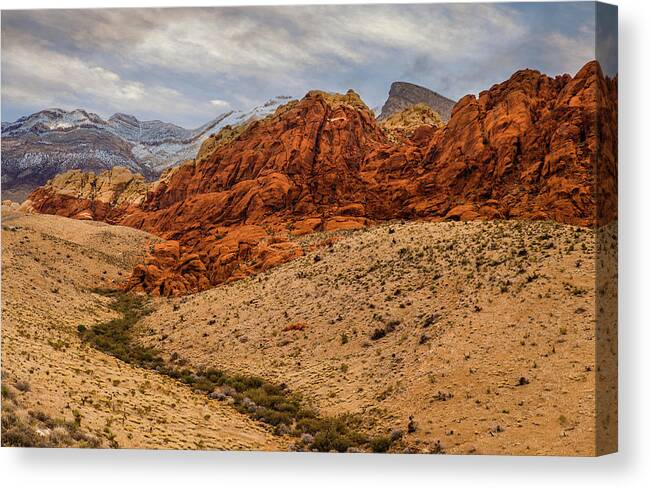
[630,468]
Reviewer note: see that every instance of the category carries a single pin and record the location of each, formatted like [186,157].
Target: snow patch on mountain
[38,146]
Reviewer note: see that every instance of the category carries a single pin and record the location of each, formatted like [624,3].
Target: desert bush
[36,429]
[431,320]
[436,448]
[16,433]
[378,333]
[380,444]
[7,393]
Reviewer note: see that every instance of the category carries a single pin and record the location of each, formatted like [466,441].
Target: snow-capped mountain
[37,147]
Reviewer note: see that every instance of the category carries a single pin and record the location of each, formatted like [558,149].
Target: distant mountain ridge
[39,146]
[404,94]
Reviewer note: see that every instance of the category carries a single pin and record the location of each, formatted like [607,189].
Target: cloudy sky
[188,65]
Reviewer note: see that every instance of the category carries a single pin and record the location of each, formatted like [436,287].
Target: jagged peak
[398,86]
[591,68]
[404,94]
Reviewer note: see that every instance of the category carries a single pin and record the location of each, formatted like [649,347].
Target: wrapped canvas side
[606,233]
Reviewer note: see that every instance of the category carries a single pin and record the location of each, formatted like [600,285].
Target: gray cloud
[187,65]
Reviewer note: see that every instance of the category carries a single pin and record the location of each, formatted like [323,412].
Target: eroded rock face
[526,149]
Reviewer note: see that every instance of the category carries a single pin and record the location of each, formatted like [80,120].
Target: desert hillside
[413,251]
[57,391]
[482,332]
[456,337]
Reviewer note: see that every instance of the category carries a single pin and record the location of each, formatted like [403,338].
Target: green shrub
[254,396]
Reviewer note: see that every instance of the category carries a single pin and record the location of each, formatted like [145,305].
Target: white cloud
[47,78]
[220,104]
[185,63]
[571,51]
[287,41]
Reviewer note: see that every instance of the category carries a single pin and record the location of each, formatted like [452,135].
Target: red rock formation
[527,148]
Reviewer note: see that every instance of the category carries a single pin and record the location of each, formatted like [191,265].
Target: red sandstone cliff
[529,148]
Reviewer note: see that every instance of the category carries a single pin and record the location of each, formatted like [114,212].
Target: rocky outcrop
[307,157]
[10,205]
[403,124]
[230,254]
[527,148]
[108,196]
[403,95]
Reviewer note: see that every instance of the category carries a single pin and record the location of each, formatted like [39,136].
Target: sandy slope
[49,266]
[493,352]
